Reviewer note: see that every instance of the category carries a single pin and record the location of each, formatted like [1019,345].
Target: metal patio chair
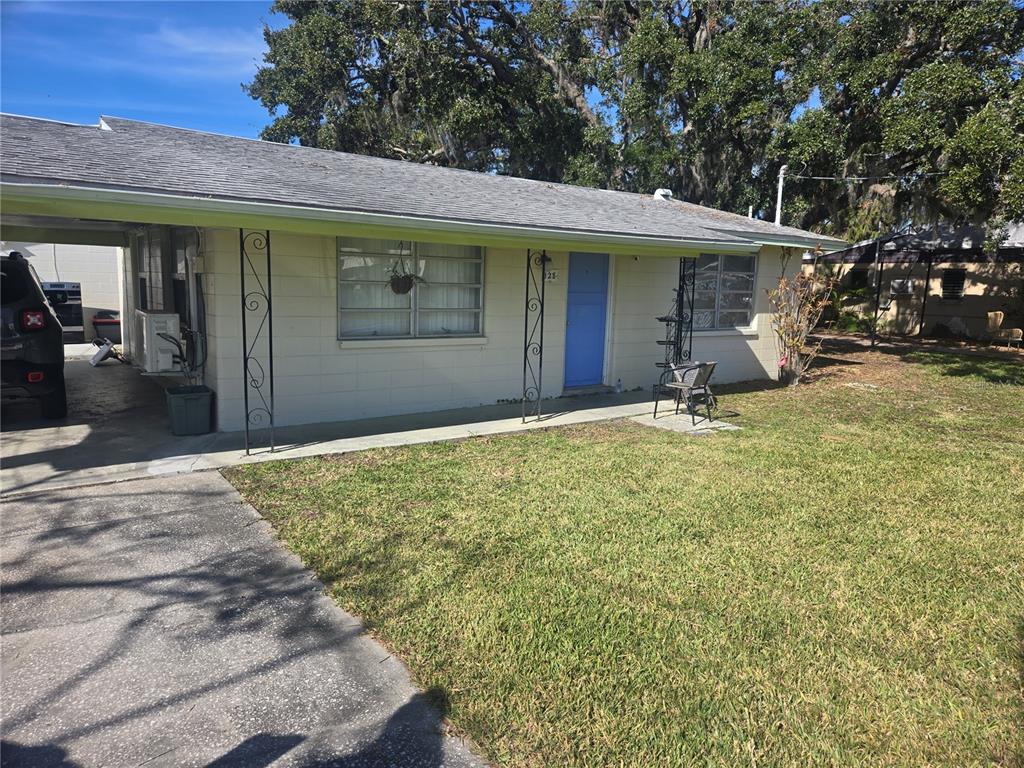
[997,333]
[689,383]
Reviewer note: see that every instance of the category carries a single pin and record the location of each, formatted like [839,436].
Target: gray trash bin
[189,408]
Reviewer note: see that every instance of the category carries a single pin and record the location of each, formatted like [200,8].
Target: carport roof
[941,242]
[132,156]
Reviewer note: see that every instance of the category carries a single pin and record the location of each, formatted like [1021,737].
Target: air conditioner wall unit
[157,354]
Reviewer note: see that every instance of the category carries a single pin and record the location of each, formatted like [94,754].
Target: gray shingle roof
[136,156]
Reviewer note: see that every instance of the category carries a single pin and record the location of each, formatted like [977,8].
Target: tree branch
[566,86]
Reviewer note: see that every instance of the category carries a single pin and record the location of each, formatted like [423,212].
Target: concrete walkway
[159,623]
[118,430]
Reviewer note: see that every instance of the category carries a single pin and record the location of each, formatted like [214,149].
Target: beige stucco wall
[988,287]
[319,378]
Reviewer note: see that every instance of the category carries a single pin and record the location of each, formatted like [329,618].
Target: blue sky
[180,63]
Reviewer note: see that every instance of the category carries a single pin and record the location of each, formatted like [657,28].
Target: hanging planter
[402,283]
[402,280]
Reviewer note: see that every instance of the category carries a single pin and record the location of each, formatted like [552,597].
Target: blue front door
[585,319]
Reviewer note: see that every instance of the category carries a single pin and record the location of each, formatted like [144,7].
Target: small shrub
[798,303]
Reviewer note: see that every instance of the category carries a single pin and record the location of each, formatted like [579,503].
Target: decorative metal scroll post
[678,342]
[684,310]
[533,332]
[257,334]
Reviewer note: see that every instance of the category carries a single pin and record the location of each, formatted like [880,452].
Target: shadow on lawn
[738,388]
[991,369]
[825,367]
[991,364]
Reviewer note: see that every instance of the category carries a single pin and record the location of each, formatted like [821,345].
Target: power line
[866,178]
[784,168]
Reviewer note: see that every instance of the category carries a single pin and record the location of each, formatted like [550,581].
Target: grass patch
[992,369]
[841,582]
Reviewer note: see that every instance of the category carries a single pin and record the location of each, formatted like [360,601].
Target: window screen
[953,283]
[724,292]
[857,279]
[446,300]
[901,286]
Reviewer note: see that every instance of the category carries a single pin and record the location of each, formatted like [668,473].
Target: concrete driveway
[116,429]
[157,622]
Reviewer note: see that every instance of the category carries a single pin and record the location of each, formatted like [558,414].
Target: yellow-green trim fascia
[158,208]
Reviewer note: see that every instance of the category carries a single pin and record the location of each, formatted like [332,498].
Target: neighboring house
[934,280]
[94,267]
[495,259]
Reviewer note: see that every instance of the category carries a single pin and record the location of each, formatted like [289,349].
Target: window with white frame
[723,296]
[446,298]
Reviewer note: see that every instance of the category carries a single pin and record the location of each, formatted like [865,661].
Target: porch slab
[683,423]
[118,431]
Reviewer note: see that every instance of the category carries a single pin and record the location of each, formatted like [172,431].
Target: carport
[116,428]
[117,413]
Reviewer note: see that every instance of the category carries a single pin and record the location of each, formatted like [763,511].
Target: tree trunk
[789,371]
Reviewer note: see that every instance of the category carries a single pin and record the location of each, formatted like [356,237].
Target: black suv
[31,340]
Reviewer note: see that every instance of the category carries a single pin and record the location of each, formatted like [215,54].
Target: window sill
[745,332]
[420,343]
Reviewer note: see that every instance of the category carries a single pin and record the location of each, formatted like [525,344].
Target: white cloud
[108,10]
[172,51]
[224,51]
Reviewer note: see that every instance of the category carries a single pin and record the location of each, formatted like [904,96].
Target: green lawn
[839,583]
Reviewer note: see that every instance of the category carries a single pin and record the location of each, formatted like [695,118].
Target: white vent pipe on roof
[663,194]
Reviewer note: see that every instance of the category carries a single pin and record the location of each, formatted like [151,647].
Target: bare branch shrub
[797,304]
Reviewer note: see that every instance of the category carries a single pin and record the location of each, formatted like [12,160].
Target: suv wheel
[55,404]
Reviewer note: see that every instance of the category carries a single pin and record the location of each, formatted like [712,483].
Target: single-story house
[934,280]
[330,286]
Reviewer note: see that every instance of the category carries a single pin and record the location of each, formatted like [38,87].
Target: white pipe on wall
[778,198]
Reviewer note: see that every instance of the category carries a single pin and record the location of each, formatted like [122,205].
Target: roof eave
[789,240]
[56,199]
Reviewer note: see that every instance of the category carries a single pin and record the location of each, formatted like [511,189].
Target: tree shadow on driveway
[161,618]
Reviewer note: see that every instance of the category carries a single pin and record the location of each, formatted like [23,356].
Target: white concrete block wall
[319,378]
[642,290]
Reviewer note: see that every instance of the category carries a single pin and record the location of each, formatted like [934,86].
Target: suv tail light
[34,377]
[33,320]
